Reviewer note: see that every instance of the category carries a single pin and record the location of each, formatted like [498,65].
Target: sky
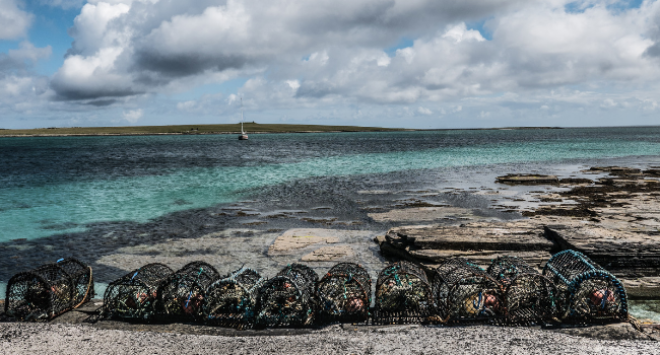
[389,63]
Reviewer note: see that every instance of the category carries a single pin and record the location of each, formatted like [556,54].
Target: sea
[51,186]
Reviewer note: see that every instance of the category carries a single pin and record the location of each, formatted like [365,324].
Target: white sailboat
[243,136]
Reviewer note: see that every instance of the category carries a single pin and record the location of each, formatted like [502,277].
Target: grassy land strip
[187,129]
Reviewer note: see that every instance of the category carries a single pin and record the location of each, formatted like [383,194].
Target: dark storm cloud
[180,65]
[76,93]
[101,102]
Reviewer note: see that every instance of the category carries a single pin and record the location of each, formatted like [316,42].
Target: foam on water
[38,210]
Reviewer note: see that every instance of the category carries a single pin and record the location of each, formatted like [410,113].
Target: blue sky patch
[619,6]
[404,42]
[480,26]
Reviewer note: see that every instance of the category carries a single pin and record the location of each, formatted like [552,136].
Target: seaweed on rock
[133,295]
[232,301]
[589,294]
[529,297]
[464,292]
[288,298]
[49,290]
[403,295]
[344,294]
[181,296]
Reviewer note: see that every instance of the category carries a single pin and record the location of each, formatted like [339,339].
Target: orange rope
[89,287]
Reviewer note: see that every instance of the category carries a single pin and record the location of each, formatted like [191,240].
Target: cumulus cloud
[133,116]
[424,111]
[653,31]
[21,95]
[21,90]
[15,22]
[150,44]
[488,58]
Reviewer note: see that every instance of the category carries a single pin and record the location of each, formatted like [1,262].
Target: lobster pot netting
[464,292]
[182,294]
[82,278]
[48,291]
[232,301]
[529,297]
[133,295]
[403,295]
[588,293]
[344,294]
[287,299]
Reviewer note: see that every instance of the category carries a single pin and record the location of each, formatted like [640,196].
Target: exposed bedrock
[480,242]
[634,257]
[624,253]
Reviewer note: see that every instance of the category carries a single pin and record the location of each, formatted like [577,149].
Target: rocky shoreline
[613,219]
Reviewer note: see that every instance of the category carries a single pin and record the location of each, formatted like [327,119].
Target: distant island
[250,127]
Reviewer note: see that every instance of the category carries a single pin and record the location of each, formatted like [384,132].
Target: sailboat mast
[243,136]
[242,116]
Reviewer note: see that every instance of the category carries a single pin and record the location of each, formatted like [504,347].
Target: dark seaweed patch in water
[295,199]
[60,226]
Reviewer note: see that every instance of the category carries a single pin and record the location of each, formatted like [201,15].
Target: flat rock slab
[644,288]
[480,242]
[231,249]
[329,253]
[615,250]
[294,239]
[616,170]
[481,257]
[484,236]
[527,179]
[227,250]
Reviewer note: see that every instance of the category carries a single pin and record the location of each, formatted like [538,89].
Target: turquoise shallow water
[47,207]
